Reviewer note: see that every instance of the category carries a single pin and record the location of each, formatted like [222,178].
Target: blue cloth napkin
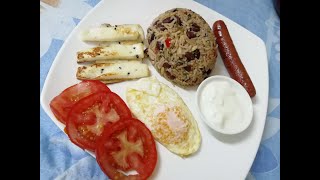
[60,159]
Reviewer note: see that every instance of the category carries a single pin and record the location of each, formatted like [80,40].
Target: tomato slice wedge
[62,104]
[128,145]
[91,115]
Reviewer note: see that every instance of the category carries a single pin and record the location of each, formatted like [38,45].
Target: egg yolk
[170,125]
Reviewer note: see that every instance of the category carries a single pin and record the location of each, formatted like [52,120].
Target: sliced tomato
[91,115]
[62,104]
[127,145]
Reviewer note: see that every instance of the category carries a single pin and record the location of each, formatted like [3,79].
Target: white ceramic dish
[219,157]
[245,102]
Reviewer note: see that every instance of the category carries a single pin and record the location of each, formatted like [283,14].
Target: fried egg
[164,112]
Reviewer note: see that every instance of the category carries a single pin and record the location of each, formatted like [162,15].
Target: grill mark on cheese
[101,65]
[107,75]
[95,52]
[126,30]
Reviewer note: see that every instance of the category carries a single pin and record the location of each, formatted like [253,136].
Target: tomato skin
[92,115]
[120,106]
[107,146]
[62,104]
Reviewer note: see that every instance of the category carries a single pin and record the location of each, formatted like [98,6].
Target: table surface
[60,159]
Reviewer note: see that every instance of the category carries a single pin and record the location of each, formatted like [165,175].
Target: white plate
[220,156]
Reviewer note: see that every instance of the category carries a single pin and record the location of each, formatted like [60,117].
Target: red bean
[195,27]
[166,65]
[189,56]
[191,34]
[167,20]
[178,20]
[188,68]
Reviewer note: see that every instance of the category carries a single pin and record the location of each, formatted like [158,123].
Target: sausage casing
[231,58]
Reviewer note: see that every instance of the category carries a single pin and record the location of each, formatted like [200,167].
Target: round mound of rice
[182,47]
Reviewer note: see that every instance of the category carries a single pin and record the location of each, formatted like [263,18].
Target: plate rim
[66,41]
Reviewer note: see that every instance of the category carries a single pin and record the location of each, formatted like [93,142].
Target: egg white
[165,114]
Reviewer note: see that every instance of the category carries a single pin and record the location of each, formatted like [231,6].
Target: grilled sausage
[231,58]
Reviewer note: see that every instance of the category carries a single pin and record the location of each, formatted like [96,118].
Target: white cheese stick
[125,32]
[108,43]
[113,71]
[114,61]
[114,51]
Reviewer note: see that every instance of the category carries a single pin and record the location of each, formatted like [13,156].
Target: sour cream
[224,105]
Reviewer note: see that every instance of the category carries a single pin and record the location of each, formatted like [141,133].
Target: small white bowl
[240,92]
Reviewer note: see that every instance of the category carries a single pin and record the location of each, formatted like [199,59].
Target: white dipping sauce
[225,106]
